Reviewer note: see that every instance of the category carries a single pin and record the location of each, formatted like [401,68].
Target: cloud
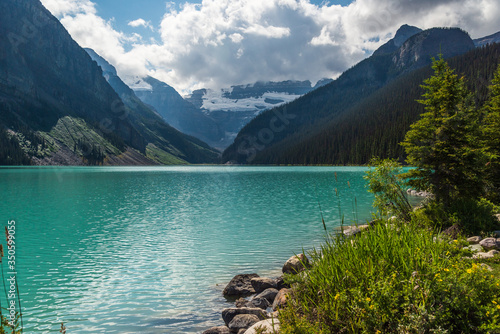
[140,23]
[219,43]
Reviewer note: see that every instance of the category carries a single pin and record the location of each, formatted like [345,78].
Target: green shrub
[473,216]
[392,280]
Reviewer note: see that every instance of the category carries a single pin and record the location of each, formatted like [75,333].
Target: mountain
[163,140]
[495,38]
[377,125]
[57,108]
[304,117]
[401,36]
[178,112]
[232,108]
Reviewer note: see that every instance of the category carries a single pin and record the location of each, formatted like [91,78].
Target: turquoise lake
[149,249]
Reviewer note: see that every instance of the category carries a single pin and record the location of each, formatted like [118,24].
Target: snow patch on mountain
[215,100]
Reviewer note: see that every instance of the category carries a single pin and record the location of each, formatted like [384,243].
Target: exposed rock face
[242,321]
[229,313]
[402,35]
[240,285]
[217,330]
[495,38]
[281,299]
[418,49]
[268,326]
[295,264]
[262,283]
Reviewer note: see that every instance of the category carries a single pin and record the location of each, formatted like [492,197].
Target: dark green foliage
[491,132]
[386,183]
[444,144]
[373,125]
[11,154]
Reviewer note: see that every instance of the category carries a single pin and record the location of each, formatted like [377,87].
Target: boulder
[262,283]
[258,302]
[268,326]
[281,299]
[242,321]
[269,294]
[474,240]
[242,302]
[217,330]
[229,313]
[240,285]
[475,248]
[295,264]
[488,255]
[280,283]
[490,243]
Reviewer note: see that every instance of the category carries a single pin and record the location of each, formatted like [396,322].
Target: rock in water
[268,294]
[242,321]
[229,313]
[240,285]
[262,283]
[295,264]
[217,330]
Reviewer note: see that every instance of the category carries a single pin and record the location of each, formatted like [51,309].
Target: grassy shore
[396,277]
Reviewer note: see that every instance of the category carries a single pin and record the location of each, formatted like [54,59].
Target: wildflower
[447,253]
[378,332]
[337,296]
[446,269]
[498,307]
[368,299]
[469,271]
[494,302]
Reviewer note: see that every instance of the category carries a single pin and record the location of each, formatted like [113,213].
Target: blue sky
[219,43]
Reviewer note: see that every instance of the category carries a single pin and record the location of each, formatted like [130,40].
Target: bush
[392,280]
[474,217]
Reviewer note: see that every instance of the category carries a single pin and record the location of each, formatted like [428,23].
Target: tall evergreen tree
[444,144]
[491,132]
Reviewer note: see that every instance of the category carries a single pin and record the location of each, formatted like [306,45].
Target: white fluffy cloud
[140,23]
[222,42]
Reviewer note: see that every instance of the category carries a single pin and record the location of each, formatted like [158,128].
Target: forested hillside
[377,125]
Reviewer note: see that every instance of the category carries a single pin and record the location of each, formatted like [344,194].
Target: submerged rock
[240,285]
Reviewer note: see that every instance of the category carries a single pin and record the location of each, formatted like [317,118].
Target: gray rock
[258,302]
[269,294]
[242,321]
[281,299]
[490,243]
[295,264]
[488,255]
[268,326]
[217,330]
[486,267]
[280,283]
[242,302]
[242,331]
[474,240]
[229,313]
[475,248]
[240,285]
[262,283]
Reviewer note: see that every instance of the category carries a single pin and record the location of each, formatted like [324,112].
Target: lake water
[149,250]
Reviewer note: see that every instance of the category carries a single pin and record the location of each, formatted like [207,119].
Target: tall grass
[392,279]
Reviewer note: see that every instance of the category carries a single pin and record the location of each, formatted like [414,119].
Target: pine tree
[444,143]
[491,132]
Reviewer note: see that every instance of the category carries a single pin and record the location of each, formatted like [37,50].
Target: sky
[218,43]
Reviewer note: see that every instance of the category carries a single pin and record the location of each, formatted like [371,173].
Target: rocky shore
[257,301]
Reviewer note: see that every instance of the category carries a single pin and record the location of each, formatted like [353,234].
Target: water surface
[149,250]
